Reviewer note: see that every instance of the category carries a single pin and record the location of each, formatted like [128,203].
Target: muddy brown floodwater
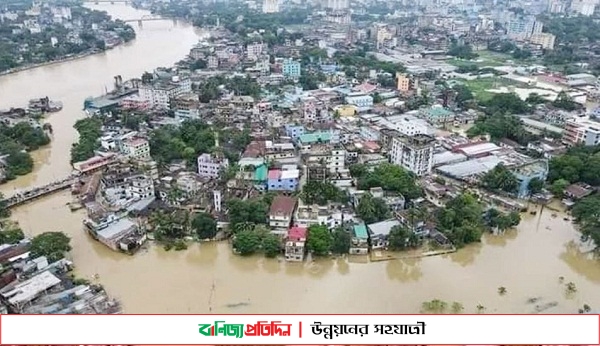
[209,278]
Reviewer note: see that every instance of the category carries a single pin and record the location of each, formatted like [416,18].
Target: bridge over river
[26,196]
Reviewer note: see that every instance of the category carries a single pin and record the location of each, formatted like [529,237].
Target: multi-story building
[544,39]
[294,131]
[186,106]
[283,180]
[160,93]
[282,211]
[254,50]
[270,6]
[122,183]
[314,110]
[414,153]
[581,131]
[295,244]
[279,151]
[403,82]
[360,100]
[523,28]
[292,69]
[136,148]
[337,5]
[556,6]
[210,166]
[583,7]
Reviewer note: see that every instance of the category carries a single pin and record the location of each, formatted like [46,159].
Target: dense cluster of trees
[359,59]
[258,238]
[462,51]
[578,164]
[566,102]
[571,34]
[16,141]
[402,238]
[502,221]
[462,220]
[506,103]
[39,45]
[244,214]
[11,234]
[322,192]
[171,227]
[184,142]
[587,215]
[210,89]
[500,126]
[321,241]
[391,178]
[371,209]
[90,131]
[500,178]
[53,245]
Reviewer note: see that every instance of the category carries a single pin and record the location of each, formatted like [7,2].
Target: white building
[271,6]
[414,153]
[210,167]
[359,100]
[337,5]
[583,7]
[581,131]
[159,94]
[254,50]
[136,148]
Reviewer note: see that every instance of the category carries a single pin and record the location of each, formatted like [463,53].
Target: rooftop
[283,205]
[28,290]
[360,231]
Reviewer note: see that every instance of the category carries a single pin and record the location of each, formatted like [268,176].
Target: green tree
[500,178]
[53,245]
[205,226]
[391,178]
[4,211]
[461,220]
[319,240]
[371,209]
[247,242]
[341,241]
[321,192]
[11,235]
[535,185]
[402,238]
[271,245]
[252,211]
[564,101]
[558,187]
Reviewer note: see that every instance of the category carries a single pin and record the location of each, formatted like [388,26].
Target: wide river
[209,278]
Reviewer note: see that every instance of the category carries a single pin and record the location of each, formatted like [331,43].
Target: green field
[480,86]
[486,59]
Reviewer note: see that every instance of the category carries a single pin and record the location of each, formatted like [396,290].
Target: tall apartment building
[556,6]
[254,50]
[292,69]
[414,153]
[524,28]
[403,82]
[583,7]
[270,6]
[337,5]
[581,131]
[544,39]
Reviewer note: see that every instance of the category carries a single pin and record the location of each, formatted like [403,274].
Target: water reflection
[500,240]
[404,270]
[319,268]
[271,266]
[466,256]
[203,254]
[342,266]
[585,264]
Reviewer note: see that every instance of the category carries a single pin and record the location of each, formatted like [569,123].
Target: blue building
[292,69]
[283,180]
[525,173]
[294,131]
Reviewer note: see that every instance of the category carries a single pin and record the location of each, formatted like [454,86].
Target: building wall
[416,159]
[282,184]
[292,69]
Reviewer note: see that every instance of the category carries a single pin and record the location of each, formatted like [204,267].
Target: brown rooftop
[283,205]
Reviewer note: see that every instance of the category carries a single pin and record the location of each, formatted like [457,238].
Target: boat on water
[45,105]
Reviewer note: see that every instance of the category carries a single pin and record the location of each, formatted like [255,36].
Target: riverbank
[59,61]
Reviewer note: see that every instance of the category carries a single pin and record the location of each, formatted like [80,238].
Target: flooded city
[209,278]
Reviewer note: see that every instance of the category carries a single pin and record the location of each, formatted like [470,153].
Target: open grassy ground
[480,86]
[486,59]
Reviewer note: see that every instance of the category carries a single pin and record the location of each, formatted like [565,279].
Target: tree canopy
[402,238]
[500,126]
[90,131]
[240,212]
[322,192]
[371,209]
[578,164]
[184,142]
[319,240]
[500,178]
[53,245]
[392,178]
[205,226]
[587,215]
[462,220]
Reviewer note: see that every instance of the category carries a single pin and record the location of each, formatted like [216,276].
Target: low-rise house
[295,244]
[278,151]
[119,233]
[360,240]
[379,233]
[576,192]
[282,211]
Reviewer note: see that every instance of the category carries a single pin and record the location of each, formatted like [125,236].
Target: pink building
[295,244]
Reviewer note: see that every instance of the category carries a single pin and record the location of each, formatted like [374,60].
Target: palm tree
[502,290]
[457,308]
[244,226]
[571,288]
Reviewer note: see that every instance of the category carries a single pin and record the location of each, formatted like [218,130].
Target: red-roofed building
[295,244]
[281,212]
[274,174]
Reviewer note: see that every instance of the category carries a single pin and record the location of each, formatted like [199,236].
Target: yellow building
[346,110]
[403,82]
[543,39]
